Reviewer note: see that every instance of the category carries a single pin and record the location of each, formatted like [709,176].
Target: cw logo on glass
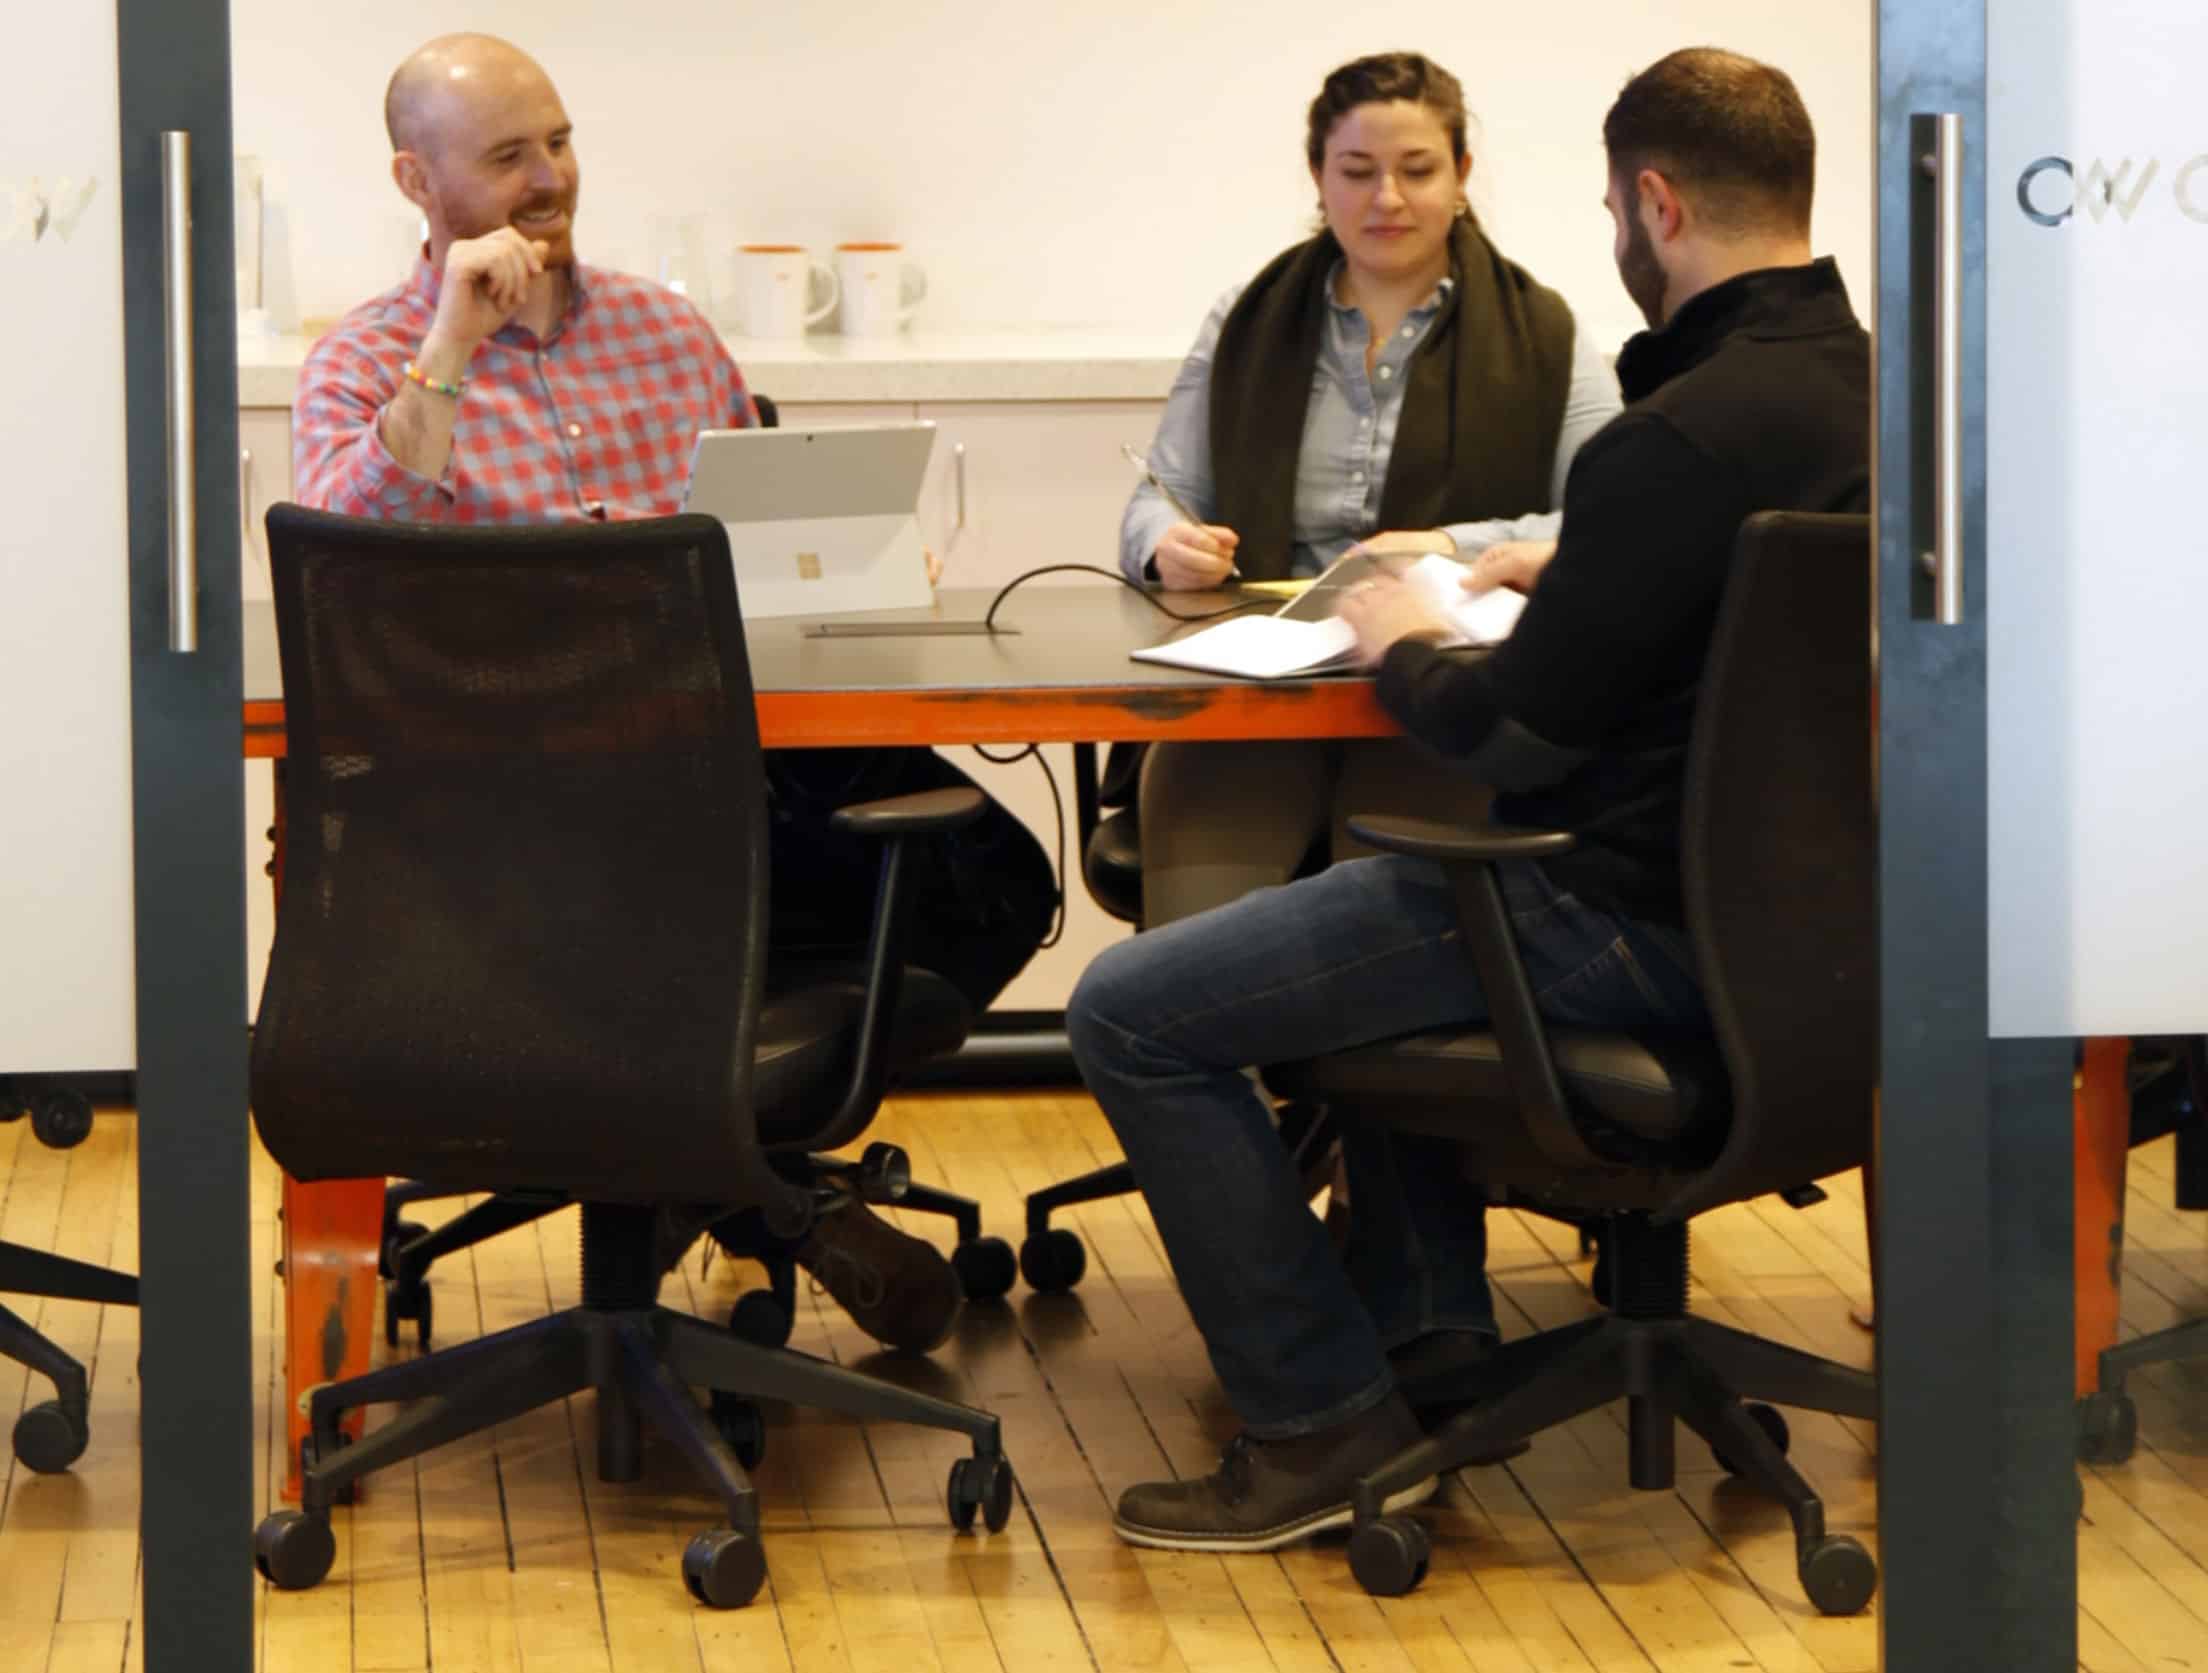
[2050,191]
[29,209]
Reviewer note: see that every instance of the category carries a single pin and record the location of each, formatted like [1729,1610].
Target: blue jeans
[1163,1026]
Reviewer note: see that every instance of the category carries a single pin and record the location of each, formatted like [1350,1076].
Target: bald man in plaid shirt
[506,382]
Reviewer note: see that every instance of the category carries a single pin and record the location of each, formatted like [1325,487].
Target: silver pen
[1166,494]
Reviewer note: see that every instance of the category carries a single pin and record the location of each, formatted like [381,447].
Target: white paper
[1279,645]
[1260,648]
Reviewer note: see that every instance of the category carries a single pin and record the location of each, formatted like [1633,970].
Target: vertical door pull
[1943,165]
[176,241]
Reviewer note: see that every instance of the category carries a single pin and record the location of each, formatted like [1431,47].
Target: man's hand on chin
[1385,610]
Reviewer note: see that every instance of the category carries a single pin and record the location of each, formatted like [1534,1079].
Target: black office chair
[2172,1096]
[53,1434]
[522,949]
[984,1265]
[1647,1129]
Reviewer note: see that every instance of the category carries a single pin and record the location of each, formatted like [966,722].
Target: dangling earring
[1464,207]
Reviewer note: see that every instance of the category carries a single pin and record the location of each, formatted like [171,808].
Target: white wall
[1076,164]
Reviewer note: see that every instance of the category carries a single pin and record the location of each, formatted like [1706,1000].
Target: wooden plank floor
[505,1552]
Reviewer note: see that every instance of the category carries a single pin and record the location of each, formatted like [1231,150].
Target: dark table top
[1061,670]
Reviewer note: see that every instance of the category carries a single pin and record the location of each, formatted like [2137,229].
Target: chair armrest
[1513,1014]
[916,814]
[892,821]
[1434,839]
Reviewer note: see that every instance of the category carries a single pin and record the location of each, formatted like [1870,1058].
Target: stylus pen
[1166,494]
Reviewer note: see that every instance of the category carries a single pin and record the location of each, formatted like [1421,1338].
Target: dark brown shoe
[1266,1494]
[897,1288]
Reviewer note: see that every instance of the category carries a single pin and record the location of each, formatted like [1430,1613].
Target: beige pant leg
[1396,776]
[1221,819]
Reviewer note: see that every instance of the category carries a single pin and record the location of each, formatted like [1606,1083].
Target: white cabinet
[1044,483]
[264,477]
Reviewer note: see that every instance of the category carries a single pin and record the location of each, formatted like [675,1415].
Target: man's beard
[475,225]
[1642,274]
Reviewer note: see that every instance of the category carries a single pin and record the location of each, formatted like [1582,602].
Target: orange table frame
[333,1228]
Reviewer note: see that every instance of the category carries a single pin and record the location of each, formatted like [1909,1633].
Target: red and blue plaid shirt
[596,420]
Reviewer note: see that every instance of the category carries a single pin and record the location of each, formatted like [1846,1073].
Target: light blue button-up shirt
[1348,435]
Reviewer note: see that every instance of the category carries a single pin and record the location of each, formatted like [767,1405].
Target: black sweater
[1755,397]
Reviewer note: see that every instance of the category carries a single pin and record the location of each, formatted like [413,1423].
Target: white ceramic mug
[777,282]
[880,289]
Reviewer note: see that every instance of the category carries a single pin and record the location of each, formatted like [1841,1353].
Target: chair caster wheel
[49,1437]
[2108,1427]
[1772,1422]
[1053,1260]
[983,1486]
[60,1119]
[741,1425]
[985,1268]
[724,1569]
[1838,1576]
[1389,1554]
[294,1550]
[760,1319]
[396,1236]
[403,1301]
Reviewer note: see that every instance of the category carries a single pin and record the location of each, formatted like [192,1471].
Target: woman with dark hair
[1391,384]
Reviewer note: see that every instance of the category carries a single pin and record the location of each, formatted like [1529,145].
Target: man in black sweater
[1750,391]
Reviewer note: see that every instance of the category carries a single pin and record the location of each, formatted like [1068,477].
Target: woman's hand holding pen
[1192,557]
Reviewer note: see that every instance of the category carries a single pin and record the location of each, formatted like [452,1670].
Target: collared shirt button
[1410,331]
[1385,373]
[575,430]
[1356,476]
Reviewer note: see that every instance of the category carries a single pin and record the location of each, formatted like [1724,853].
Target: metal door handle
[176,227]
[958,468]
[1943,165]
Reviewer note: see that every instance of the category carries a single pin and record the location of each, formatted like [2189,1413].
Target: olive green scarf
[1483,398]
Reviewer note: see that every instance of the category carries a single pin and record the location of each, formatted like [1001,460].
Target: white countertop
[1042,365]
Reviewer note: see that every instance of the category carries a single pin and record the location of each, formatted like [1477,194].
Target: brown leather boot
[897,1288]
[1266,1494]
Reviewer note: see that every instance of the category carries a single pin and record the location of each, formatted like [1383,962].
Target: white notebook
[1305,637]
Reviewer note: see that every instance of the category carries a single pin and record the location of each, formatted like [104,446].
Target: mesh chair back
[1779,847]
[522,933]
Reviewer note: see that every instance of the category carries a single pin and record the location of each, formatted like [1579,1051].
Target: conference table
[1056,670]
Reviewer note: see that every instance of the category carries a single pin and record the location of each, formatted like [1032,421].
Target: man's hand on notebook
[1387,609]
[1516,564]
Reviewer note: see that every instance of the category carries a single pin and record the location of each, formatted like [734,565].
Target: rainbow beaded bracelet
[436,386]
